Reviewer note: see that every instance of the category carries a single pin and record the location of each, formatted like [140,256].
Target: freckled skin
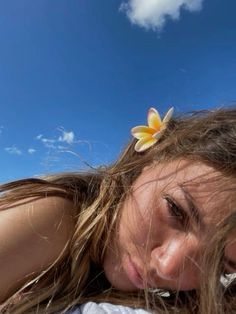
[163,252]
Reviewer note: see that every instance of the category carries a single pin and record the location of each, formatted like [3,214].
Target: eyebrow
[195,213]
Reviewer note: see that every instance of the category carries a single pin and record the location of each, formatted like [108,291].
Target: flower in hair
[148,135]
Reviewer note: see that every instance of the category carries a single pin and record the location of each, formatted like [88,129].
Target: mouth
[139,281]
[133,274]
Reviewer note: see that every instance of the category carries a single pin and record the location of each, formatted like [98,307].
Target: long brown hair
[206,136]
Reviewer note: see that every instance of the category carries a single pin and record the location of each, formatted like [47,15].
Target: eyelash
[177,212]
[226,271]
[228,268]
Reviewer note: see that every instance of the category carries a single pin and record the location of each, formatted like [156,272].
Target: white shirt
[104,308]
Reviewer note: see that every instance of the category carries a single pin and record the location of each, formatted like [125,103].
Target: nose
[176,259]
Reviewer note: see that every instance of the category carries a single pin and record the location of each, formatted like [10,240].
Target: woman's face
[163,227]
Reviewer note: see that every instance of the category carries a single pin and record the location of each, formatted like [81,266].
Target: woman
[155,230]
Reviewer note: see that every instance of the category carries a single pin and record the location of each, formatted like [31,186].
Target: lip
[133,274]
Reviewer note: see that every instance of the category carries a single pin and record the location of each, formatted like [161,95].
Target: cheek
[134,225]
[141,226]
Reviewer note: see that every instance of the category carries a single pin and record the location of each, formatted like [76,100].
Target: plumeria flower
[149,135]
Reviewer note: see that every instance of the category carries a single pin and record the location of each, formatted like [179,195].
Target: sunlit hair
[206,136]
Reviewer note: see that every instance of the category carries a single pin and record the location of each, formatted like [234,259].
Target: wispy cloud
[153,14]
[61,146]
[31,151]
[38,137]
[67,137]
[44,139]
[13,150]
[47,142]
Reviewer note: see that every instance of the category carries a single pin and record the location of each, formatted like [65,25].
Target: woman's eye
[177,212]
[229,267]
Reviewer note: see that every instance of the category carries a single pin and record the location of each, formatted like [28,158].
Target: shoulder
[39,211]
[45,218]
[33,234]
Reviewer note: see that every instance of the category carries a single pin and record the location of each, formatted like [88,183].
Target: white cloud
[31,151]
[152,14]
[53,143]
[67,137]
[48,142]
[38,137]
[13,150]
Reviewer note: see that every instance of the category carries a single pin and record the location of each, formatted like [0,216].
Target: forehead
[182,172]
[179,171]
[207,187]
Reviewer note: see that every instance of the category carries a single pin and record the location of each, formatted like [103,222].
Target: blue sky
[76,76]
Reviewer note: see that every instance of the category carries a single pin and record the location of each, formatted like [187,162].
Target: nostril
[167,274]
[165,268]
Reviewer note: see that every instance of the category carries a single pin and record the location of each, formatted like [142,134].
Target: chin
[119,282]
[118,279]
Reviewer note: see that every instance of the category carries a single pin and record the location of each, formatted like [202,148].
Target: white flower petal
[168,115]
[144,144]
[142,131]
[154,119]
